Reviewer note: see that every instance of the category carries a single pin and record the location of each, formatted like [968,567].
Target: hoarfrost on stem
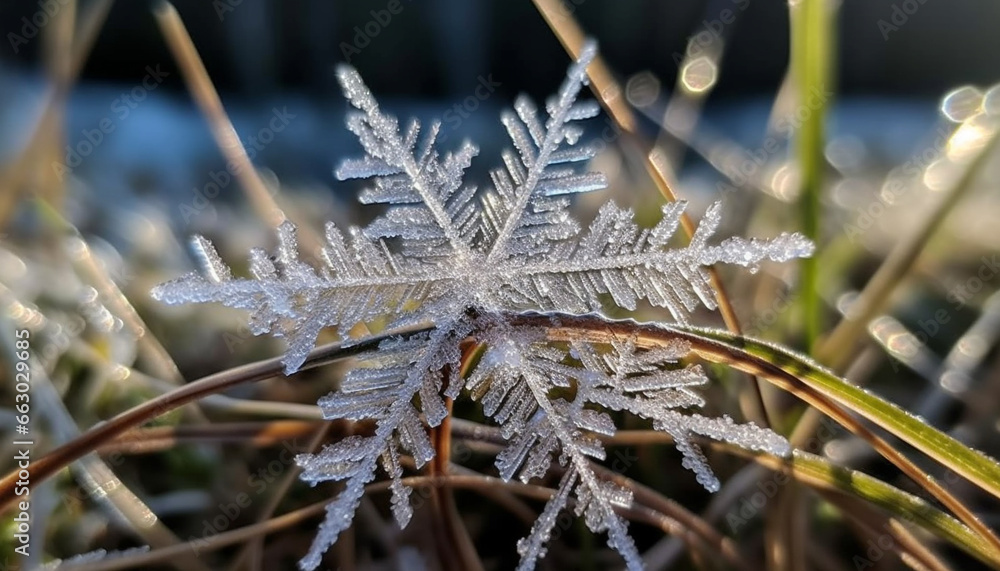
[443,252]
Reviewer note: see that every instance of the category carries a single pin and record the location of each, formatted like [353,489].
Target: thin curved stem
[160,438]
[203,92]
[559,327]
[53,103]
[456,533]
[482,483]
[319,434]
[688,522]
[574,327]
[100,434]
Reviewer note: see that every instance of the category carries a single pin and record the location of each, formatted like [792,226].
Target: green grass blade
[811,70]
[963,460]
[837,348]
[817,472]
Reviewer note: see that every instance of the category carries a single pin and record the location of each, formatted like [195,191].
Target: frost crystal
[445,253]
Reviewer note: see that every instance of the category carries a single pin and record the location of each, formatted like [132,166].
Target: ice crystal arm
[382,389]
[527,210]
[635,381]
[514,391]
[617,257]
[359,280]
[431,208]
[515,380]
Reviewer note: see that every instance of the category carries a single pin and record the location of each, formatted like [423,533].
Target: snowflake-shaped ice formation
[439,250]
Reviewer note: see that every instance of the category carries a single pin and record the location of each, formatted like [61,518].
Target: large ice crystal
[443,248]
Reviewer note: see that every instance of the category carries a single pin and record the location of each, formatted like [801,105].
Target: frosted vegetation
[465,260]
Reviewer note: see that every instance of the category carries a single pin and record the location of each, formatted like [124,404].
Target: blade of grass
[93,272]
[823,476]
[872,526]
[811,71]
[485,484]
[837,349]
[816,386]
[223,131]
[971,464]
[57,44]
[812,55]
[46,466]
[92,474]
[827,393]
[53,101]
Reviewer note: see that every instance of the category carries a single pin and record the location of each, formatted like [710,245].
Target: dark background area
[439,47]
[139,188]
[896,59]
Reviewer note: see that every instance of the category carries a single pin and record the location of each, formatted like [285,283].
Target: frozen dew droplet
[642,89]
[699,75]
[991,101]
[941,174]
[970,136]
[962,103]
[846,153]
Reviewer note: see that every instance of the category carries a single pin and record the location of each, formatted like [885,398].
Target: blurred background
[431,55]
[117,146]
[256,47]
